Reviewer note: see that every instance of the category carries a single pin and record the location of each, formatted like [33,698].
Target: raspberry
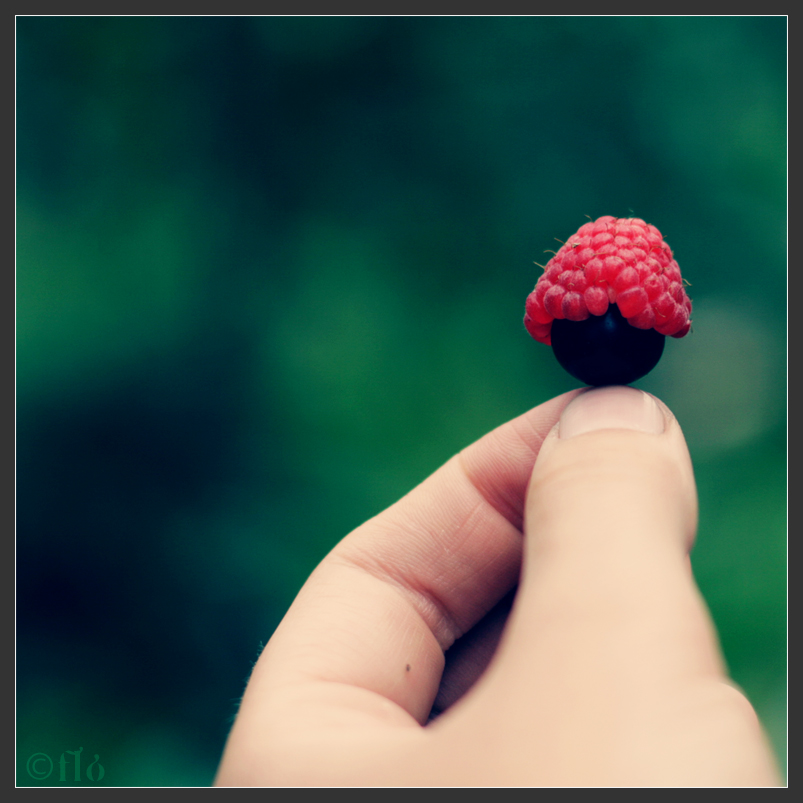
[607,299]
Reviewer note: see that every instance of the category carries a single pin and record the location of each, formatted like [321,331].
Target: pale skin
[606,672]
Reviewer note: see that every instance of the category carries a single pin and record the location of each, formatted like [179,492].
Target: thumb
[610,516]
[608,672]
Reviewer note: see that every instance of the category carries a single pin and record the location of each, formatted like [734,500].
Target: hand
[607,672]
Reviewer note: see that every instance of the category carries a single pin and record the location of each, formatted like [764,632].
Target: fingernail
[611,408]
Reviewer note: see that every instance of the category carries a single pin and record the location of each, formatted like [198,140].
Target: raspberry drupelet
[607,299]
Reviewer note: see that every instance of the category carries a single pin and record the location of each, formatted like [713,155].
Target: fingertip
[615,407]
[615,462]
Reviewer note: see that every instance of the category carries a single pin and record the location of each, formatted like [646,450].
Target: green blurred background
[271,273]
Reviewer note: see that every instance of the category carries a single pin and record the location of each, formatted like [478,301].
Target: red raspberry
[622,261]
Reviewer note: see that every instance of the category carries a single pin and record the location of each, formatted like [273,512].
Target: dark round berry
[606,349]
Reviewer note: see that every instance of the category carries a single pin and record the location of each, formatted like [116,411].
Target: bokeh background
[271,273]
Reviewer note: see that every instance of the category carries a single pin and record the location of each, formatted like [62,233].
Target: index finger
[380,610]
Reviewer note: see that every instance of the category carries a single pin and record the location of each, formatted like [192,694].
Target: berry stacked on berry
[607,299]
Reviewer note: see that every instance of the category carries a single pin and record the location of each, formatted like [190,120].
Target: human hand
[607,672]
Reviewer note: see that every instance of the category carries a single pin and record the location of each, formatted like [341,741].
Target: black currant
[606,349]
